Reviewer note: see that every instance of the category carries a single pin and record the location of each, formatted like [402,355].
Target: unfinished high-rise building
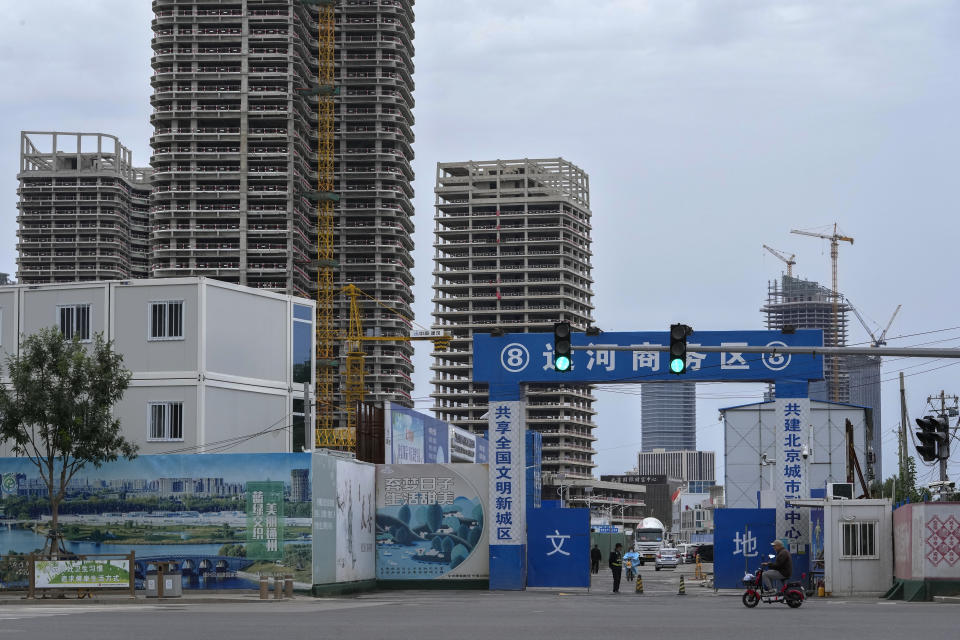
[512,253]
[803,304]
[235,153]
[82,209]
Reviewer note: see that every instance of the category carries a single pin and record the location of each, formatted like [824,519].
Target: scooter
[631,575]
[791,592]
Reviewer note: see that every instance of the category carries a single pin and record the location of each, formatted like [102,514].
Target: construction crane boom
[834,239]
[875,341]
[789,261]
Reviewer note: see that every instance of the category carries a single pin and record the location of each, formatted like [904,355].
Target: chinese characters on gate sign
[506,473]
[792,522]
[745,545]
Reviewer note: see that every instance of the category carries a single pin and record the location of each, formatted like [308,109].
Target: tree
[57,411]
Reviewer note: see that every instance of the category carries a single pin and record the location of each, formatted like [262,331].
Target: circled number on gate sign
[776,361]
[514,357]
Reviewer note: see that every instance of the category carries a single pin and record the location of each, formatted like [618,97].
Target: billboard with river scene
[190,509]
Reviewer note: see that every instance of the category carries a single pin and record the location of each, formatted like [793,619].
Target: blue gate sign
[741,541]
[559,548]
[517,358]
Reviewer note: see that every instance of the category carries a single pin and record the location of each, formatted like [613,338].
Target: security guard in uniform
[616,566]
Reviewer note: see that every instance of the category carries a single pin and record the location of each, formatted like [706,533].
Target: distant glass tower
[668,416]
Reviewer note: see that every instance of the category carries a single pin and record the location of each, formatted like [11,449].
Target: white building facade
[216,367]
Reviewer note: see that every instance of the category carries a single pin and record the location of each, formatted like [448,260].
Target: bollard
[820,590]
[683,589]
[639,584]
[288,585]
[264,588]
[277,588]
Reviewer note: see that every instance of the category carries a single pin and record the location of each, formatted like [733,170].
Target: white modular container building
[216,367]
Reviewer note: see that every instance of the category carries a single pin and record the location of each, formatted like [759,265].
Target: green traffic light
[562,363]
[676,365]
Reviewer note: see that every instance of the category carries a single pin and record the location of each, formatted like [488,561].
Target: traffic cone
[639,584]
[683,589]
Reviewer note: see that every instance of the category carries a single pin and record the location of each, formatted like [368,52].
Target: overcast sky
[707,127]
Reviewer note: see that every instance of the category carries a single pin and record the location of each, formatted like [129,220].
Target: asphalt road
[482,615]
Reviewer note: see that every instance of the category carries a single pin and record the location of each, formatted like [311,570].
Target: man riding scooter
[780,569]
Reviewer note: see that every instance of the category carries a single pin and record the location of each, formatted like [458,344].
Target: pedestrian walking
[616,566]
[595,557]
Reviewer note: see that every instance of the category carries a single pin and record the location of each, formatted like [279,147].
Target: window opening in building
[166,320]
[166,421]
[74,321]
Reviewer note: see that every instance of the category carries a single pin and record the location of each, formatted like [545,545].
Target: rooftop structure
[82,211]
[512,253]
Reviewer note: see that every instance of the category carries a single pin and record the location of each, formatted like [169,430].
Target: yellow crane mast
[325,198]
[834,239]
[355,386]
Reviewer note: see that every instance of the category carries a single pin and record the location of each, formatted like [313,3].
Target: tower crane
[789,261]
[834,239]
[345,437]
[875,341]
[325,198]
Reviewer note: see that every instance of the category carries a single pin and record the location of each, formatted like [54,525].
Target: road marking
[21,612]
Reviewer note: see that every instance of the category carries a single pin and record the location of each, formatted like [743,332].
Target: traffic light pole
[812,351]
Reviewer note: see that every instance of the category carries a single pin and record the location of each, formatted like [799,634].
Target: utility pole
[903,431]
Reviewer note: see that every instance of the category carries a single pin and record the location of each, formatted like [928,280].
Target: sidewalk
[118,598]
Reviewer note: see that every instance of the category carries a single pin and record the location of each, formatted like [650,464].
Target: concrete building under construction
[82,209]
[804,304]
[235,156]
[512,243]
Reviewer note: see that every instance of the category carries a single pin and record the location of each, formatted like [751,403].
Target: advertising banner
[414,438]
[430,522]
[356,484]
[91,573]
[264,520]
[742,539]
[558,541]
[343,520]
[198,511]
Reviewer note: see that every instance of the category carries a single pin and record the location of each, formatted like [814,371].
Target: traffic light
[562,357]
[678,347]
[934,438]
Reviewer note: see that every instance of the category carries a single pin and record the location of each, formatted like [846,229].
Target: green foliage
[233,550]
[57,409]
[297,556]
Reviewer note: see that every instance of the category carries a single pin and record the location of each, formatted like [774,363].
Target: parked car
[667,559]
[690,555]
[683,551]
